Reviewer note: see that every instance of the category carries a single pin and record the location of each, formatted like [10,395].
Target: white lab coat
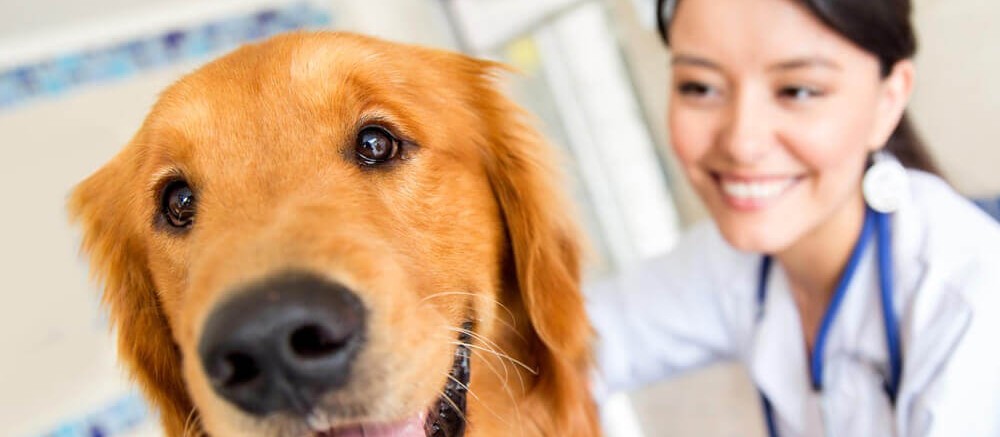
[698,305]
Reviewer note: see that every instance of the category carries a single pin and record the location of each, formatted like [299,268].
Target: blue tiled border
[122,415]
[60,74]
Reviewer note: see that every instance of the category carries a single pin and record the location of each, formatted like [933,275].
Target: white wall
[957,100]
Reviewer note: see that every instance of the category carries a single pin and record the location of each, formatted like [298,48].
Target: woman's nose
[748,133]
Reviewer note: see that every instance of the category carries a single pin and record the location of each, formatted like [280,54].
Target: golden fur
[469,222]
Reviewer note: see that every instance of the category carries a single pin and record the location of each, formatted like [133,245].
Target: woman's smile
[754,192]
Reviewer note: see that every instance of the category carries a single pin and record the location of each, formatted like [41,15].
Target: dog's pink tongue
[412,427]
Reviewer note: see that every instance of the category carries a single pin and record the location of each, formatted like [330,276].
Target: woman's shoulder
[949,220]
[951,271]
[702,256]
[951,234]
[701,263]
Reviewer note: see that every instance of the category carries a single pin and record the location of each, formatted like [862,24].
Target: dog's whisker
[506,375]
[489,345]
[501,355]
[445,293]
[483,339]
[191,425]
[505,370]
[493,348]
[476,397]
[506,386]
[460,412]
[475,295]
[507,325]
[448,338]
[506,381]
[503,362]
[466,387]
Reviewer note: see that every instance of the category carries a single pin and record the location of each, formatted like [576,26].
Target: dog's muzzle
[283,343]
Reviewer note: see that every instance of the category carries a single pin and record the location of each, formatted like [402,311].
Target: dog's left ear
[106,212]
[546,252]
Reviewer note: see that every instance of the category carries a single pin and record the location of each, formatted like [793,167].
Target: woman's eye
[178,204]
[375,146]
[696,89]
[799,93]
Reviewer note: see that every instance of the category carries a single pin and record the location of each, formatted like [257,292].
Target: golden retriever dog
[326,234]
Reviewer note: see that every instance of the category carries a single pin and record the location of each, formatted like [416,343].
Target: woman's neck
[815,263]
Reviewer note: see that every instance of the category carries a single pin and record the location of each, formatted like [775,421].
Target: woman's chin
[754,238]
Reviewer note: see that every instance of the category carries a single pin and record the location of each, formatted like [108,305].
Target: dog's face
[326,234]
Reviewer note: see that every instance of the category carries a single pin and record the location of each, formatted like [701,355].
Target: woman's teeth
[755,190]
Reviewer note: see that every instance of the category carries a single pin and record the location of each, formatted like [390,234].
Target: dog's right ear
[545,249]
[105,205]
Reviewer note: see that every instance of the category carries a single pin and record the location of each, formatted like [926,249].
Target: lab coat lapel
[935,317]
[778,361]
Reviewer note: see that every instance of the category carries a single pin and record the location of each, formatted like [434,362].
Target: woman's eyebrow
[805,62]
[692,60]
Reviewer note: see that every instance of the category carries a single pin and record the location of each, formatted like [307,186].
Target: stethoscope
[875,223]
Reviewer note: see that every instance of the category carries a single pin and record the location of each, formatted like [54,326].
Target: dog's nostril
[237,369]
[315,341]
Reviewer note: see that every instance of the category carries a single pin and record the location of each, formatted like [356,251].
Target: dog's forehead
[326,58]
[300,96]
[317,71]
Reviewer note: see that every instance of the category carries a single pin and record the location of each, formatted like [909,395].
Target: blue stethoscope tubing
[875,223]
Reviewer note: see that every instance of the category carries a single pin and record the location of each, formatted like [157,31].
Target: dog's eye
[178,204]
[376,146]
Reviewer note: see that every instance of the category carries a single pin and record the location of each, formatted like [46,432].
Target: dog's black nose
[283,342]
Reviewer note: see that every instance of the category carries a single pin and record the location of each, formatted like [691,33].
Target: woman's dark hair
[880,27]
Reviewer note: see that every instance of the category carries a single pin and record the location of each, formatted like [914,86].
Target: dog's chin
[445,418]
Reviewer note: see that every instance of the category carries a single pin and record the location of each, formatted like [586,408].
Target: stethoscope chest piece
[885,185]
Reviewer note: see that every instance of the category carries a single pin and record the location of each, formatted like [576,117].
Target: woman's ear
[894,96]
[546,250]
[105,208]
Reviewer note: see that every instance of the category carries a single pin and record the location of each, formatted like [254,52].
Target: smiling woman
[778,110]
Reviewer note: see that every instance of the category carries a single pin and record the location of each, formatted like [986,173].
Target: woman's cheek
[832,136]
[838,147]
[690,136]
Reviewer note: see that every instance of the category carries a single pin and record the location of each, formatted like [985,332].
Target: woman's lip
[753,192]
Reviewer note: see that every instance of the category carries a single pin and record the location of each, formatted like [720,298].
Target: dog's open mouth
[445,418]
